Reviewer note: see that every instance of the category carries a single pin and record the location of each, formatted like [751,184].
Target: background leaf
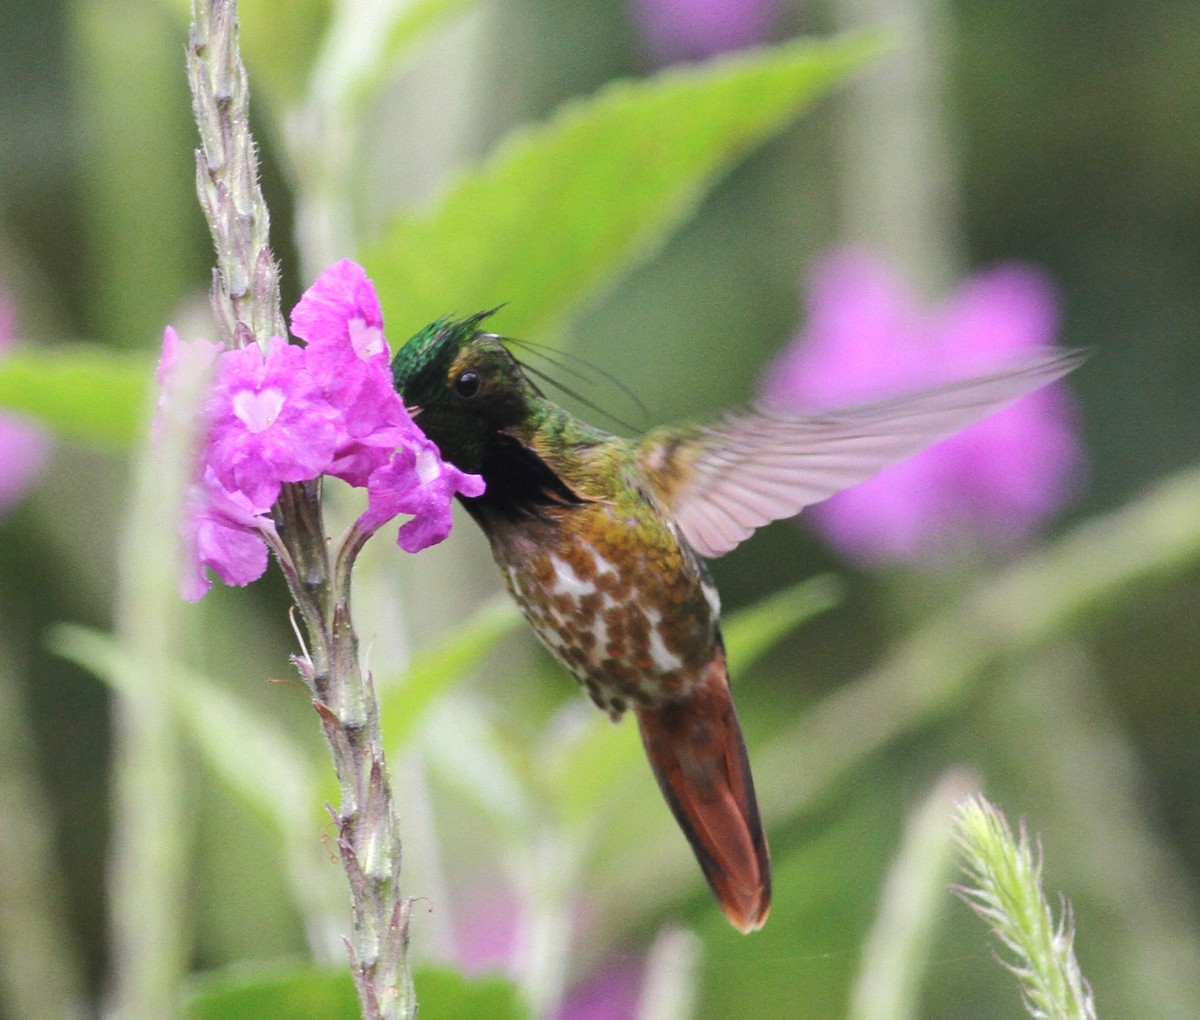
[303,994]
[89,394]
[752,632]
[404,700]
[560,209]
[255,995]
[247,749]
[445,993]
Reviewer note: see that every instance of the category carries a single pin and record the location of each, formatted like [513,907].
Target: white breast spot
[602,565]
[568,582]
[664,659]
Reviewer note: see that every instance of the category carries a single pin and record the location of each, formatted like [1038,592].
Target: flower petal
[418,482]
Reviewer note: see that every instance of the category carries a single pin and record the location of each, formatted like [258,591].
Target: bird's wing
[722,482]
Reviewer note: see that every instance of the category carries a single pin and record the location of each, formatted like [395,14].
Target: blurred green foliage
[1079,141]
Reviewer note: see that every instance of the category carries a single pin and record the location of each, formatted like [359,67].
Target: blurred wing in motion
[722,482]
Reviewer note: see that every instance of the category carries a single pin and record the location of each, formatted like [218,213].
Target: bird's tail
[696,749]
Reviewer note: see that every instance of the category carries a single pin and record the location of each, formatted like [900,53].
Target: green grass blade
[751,632]
[403,701]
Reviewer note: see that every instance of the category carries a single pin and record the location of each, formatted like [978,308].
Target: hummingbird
[602,542]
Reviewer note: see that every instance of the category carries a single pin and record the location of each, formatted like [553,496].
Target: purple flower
[380,446]
[340,319]
[222,530]
[296,413]
[416,481]
[24,448]
[608,994]
[340,314]
[489,931]
[270,423]
[174,354]
[690,29]
[866,338]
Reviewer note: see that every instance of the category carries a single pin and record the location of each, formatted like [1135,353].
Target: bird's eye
[467,384]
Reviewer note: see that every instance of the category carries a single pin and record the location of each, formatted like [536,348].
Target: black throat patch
[520,484]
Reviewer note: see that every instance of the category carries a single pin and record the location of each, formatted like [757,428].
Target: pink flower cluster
[24,448]
[694,29]
[292,414]
[989,486]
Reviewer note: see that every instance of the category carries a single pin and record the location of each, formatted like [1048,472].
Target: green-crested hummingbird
[602,541]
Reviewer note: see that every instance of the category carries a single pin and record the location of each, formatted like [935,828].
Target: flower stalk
[246,303]
[1004,875]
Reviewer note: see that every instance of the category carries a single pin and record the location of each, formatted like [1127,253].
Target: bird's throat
[520,484]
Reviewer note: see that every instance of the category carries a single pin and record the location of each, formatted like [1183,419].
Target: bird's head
[462,387]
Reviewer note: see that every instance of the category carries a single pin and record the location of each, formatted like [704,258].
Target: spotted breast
[611,592]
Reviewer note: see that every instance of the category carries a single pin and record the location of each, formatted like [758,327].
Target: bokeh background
[1063,135]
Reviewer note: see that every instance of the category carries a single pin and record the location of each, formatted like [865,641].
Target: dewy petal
[866,338]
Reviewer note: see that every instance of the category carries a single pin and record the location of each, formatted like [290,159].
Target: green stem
[39,976]
[899,189]
[896,951]
[147,858]
[1004,876]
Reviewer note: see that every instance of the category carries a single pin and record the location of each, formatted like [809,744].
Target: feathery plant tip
[1005,889]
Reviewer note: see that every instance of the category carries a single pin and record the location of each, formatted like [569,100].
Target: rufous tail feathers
[696,749]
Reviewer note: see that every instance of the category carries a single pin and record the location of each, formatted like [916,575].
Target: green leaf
[596,764]
[751,632]
[446,993]
[559,210]
[274,995]
[403,701]
[252,754]
[279,43]
[89,394]
[304,993]
[420,16]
